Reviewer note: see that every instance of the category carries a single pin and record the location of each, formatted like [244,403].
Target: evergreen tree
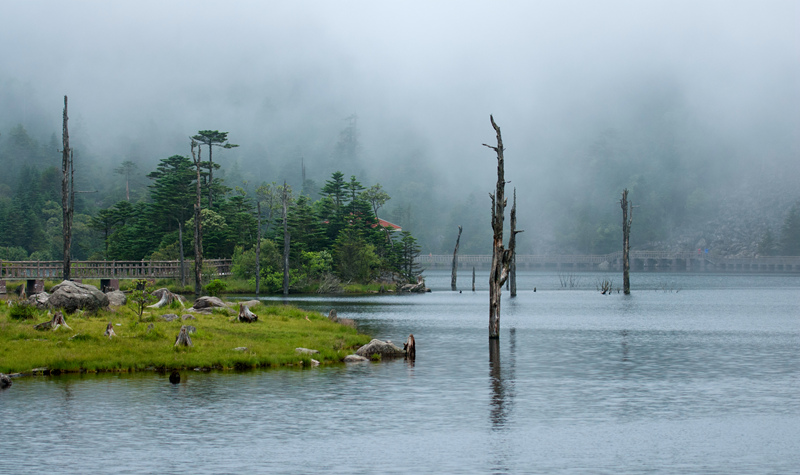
[790,232]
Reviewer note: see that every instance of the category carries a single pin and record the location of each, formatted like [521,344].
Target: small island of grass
[148,343]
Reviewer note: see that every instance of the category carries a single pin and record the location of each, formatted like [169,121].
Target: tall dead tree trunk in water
[258,246]
[198,227]
[473,278]
[285,203]
[627,220]
[455,262]
[513,275]
[501,257]
[67,193]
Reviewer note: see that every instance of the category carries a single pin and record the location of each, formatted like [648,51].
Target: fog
[670,99]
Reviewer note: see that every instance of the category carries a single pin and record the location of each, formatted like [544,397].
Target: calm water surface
[692,373]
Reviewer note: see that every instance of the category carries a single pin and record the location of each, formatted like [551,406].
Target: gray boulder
[169,317]
[384,348]
[116,298]
[39,300]
[5,381]
[355,359]
[72,296]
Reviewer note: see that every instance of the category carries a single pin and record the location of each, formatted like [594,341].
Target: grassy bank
[269,342]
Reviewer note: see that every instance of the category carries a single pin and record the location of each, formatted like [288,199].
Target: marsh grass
[271,341]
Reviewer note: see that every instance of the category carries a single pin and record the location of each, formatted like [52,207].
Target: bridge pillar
[34,286]
[109,284]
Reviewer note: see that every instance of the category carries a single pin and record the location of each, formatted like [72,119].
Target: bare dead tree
[198,227]
[285,203]
[513,276]
[258,246]
[67,193]
[455,262]
[473,278]
[627,220]
[501,257]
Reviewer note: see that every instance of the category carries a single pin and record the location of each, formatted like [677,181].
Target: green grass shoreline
[269,342]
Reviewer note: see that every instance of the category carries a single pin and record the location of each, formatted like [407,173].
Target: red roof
[388,225]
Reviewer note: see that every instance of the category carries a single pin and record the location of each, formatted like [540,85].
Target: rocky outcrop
[418,287]
[72,296]
[384,348]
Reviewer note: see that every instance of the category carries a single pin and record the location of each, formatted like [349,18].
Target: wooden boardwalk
[640,261]
[108,272]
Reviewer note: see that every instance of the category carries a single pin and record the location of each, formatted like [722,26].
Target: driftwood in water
[245,315]
[109,331]
[183,338]
[410,347]
[53,324]
[455,262]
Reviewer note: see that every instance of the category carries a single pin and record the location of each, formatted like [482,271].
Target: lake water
[692,373]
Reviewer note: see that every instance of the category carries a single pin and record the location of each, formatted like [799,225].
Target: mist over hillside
[694,107]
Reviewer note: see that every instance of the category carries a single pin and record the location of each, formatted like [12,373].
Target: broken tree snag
[410,347]
[455,262]
[513,273]
[501,257]
[627,220]
[245,315]
[54,323]
[67,193]
[473,278]
[109,331]
[183,337]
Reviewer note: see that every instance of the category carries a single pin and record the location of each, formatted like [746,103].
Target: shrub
[23,311]
[216,287]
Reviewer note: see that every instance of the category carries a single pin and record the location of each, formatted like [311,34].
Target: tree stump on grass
[54,324]
[109,331]
[183,338]
[245,315]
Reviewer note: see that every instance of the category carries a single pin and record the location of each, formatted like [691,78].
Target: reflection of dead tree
[455,262]
[569,280]
[513,269]
[501,257]
[473,278]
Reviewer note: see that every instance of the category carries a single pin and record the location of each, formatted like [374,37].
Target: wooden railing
[18,270]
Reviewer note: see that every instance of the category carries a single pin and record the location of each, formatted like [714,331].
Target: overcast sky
[420,75]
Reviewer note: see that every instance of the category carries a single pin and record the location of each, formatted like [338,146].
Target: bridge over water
[640,261]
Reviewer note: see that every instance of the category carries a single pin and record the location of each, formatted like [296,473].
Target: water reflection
[502,398]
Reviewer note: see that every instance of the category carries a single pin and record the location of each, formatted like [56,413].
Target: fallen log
[245,315]
[54,324]
[109,331]
[166,298]
[183,338]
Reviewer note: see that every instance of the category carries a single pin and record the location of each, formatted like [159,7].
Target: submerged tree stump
[410,347]
[245,315]
[54,324]
[109,331]
[183,338]
[5,381]
[175,377]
